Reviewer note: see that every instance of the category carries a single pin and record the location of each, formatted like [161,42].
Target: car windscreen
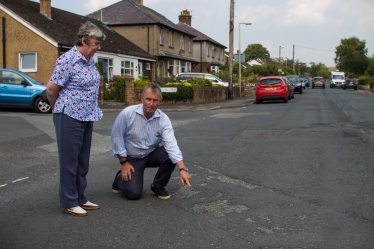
[318,78]
[270,81]
[338,77]
[293,79]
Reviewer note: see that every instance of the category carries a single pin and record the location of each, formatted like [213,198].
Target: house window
[106,67]
[28,62]
[208,48]
[147,66]
[173,67]
[182,42]
[161,38]
[127,68]
[189,45]
[213,53]
[185,66]
[171,39]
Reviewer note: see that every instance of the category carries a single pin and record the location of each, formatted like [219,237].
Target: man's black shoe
[160,192]
[115,189]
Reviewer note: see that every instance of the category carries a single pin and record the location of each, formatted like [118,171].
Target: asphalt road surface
[274,175]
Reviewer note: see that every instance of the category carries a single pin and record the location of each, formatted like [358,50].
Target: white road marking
[2,185]
[238,115]
[20,179]
[346,113]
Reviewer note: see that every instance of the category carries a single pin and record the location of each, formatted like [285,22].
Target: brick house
[152,32]
[34,35]
[207,51]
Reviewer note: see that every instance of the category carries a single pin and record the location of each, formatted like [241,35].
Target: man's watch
[184,168]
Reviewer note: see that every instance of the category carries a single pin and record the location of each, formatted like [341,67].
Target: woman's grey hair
[154,88]
[88,31]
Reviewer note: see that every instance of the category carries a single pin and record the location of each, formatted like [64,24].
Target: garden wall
[201,94]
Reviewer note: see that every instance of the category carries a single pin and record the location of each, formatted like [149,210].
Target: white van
[337,79]
[211,77]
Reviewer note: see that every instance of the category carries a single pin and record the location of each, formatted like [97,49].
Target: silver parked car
[211,77]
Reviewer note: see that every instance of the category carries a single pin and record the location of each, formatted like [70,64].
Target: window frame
[161,37]
[20,62]
[131,68]
[171,42]
[182,42]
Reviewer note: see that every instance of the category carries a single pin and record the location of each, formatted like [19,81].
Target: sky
[315,27]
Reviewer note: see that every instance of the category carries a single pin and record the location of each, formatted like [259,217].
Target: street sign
[168,89]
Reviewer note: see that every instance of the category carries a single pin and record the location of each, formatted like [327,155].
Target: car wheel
[258,101]
[41,106]
[289,97]
[312,87]
[344,88]
[285,100]
[301,91]
[293,96]
[331,86]
[355,88]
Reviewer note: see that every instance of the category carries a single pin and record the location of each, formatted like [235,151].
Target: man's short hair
[154,88]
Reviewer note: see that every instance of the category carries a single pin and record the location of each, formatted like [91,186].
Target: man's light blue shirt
[133,135]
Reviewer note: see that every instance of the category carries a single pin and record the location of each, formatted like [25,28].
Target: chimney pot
[45,8]
[185,17]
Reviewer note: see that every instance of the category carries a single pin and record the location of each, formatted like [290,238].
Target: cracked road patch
[218,208]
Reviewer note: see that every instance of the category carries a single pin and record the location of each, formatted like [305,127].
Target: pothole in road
[218,208]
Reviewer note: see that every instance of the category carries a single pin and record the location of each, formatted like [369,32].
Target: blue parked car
[305,80]
[20,90]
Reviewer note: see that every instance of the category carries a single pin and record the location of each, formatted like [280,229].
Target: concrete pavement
[223,104]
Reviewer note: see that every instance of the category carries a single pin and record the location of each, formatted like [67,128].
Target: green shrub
[362,82]
[116,85]
[200,82]
[142,82]
[184,92]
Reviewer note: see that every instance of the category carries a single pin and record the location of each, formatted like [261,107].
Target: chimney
[45,8]
[185,17]
[140,2]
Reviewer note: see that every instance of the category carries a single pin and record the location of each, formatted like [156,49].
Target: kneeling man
[136,137]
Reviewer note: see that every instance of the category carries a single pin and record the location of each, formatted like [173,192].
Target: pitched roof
[198,35]
[128,12]
[64,26]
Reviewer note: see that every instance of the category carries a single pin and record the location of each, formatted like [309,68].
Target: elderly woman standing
[73,91]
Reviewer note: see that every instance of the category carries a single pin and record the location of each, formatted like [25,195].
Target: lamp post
[280,48]
[240,61]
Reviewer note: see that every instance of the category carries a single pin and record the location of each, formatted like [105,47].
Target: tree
[256,51]
[370,69]
[318,69]
[351,56]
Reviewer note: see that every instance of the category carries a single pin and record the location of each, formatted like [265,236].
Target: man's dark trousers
[133,188]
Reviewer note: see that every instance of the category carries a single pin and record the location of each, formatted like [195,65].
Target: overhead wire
[169,6]
[158,4]
[214,19]
[368,2]
[316,49]
[204,14]
[187,4]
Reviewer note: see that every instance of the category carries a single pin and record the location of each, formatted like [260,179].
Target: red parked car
[273,88]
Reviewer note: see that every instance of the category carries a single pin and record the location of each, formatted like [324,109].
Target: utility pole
[293,58]
[231,48]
